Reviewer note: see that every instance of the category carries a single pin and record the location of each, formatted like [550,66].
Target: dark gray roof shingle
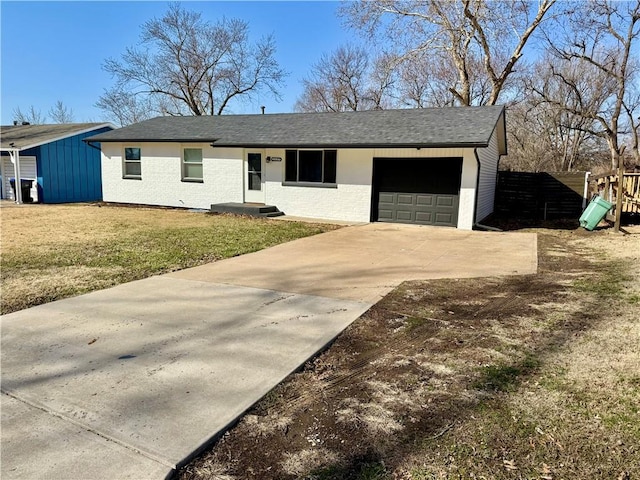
[455,126]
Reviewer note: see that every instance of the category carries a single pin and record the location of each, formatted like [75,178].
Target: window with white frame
[310,166]
[192,165]
[132,165]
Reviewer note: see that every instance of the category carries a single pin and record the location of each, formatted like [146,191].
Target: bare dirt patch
[512,377]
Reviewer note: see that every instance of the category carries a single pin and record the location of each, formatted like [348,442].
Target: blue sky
[54,50]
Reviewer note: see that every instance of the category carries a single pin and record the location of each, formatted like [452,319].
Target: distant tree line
[59,113]
[568,72]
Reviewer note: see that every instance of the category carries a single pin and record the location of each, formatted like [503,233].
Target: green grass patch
[633,299]
[372,471]
[367,470]
[326,473]
[505,378]
[414,322]
[608,281]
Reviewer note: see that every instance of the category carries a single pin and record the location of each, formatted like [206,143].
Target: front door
[253,180]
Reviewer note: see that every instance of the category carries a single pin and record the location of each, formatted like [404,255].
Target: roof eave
[97,139]
[219,144]
[352,145]
[61,137]
[501,128]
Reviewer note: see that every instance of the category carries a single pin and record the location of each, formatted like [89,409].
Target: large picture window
[192,165]
[132,166]
[310,166]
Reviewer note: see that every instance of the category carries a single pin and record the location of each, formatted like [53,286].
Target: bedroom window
[310,167]
[192,165]
[132,166]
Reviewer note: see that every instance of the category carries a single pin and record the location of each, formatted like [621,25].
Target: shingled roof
[22,137]
[428,127]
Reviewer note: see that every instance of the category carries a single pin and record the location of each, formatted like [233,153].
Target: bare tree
[426,80]
[348,79]
[417,89]
[337,82]
[32,116]
[382,82]
[529,139]
[186,65]
[481,41]
[59,113]
[546,125]
[601,41]
[125,108]
[631,108]
[543,137]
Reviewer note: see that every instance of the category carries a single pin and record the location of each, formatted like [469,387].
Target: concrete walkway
[131,381]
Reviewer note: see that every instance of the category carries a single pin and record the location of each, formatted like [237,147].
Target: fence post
[586,190]
[619,195]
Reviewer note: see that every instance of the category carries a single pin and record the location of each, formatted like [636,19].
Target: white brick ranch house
[434,166]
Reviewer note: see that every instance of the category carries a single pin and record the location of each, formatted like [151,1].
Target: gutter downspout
[586,189]
[475,206]
[15,159]
[475,201]
[500,155]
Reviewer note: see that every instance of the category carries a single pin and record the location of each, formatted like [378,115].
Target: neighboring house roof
[428,127]
[23,137]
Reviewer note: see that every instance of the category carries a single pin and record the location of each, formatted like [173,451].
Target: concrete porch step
[251,209]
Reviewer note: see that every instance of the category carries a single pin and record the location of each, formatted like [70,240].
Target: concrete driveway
[366,262]
[131,381]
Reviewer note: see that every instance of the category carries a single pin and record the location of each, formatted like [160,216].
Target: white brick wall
[223,180]
[467,191]
[350,201]
[161,182]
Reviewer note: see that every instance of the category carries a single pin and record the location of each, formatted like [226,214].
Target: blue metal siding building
[68,169]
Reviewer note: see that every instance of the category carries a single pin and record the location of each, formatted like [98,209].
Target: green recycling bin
[595,211]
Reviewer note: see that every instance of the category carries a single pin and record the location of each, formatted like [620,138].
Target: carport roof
[22,137]
[428,127]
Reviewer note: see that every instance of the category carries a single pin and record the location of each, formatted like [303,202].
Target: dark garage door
[424,191]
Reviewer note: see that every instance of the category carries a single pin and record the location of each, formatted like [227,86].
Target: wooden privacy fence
[542,195]
[606,185]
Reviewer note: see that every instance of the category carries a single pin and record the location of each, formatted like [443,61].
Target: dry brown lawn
[50,252]
[531,377]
